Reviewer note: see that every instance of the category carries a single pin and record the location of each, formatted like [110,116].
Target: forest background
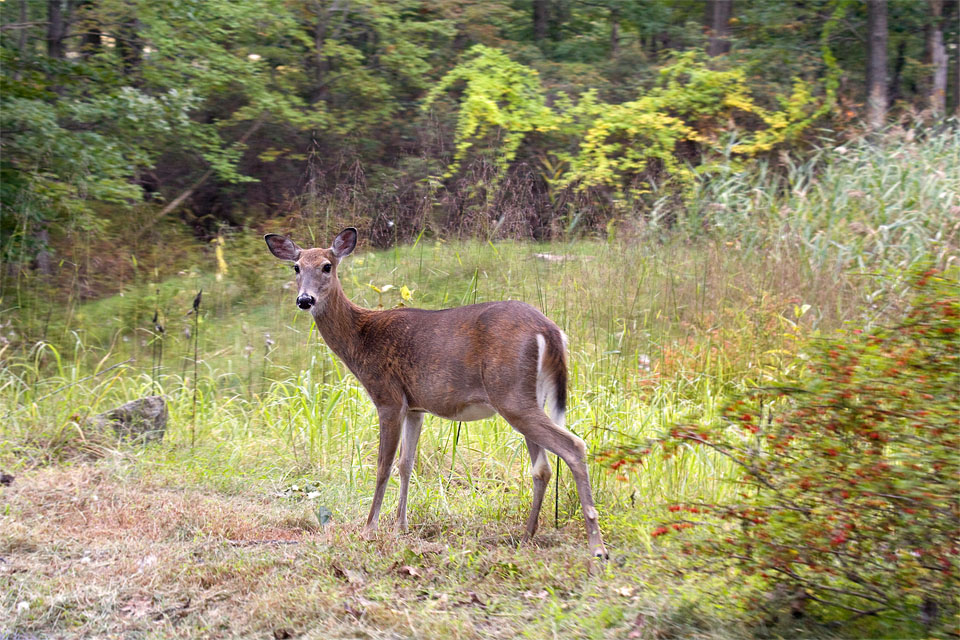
[523,119]
[745,214]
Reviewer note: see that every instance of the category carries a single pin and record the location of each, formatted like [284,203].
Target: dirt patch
[85,506]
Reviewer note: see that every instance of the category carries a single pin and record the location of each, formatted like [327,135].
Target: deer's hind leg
[534,424]
[540,468]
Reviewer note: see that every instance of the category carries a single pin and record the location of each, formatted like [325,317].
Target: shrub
[692,113]
[848,478]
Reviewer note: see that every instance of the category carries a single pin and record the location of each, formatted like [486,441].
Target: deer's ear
[344,243]
[282,246]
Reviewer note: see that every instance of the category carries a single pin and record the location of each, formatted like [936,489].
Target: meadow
[244,521]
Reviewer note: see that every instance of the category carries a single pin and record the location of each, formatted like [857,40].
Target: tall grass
[869,204]
[659,334]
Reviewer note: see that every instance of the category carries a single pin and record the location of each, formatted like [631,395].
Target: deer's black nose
[305,301]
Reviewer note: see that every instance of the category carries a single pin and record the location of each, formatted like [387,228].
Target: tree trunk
[22,44]
[320,73]
[130,48]
[321,32]
[22,39]
[719,13]
[899,61]
[541,20]
[876,63]
[56,29]
[614,34]
[937,53]
[559,15]
[92,41]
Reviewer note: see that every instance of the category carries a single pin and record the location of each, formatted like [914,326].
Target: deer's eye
[296,268]
[327,267]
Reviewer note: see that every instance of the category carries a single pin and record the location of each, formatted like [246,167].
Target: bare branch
[22,25]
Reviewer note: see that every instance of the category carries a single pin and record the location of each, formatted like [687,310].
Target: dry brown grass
[94,550]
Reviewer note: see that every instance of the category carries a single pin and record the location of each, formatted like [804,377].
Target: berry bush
[847,499]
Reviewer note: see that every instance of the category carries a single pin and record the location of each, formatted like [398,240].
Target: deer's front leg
[391,418]
[408,455]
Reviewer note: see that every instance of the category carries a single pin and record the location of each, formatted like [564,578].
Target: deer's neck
[339,324]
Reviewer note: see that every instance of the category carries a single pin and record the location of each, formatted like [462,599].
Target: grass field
[176,539]
[244,521]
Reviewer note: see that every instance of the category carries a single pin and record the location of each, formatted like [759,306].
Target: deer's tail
[552,374]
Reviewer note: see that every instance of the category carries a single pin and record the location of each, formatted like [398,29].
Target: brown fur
[475,358]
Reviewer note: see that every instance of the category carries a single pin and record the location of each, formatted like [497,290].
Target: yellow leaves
[500,94]
[621,142]
[619,145]
[270,155]
[405,293]
[738,101]
[221,262]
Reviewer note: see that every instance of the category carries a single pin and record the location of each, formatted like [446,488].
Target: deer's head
[316,269]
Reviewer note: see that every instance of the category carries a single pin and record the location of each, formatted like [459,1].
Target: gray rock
[144,419]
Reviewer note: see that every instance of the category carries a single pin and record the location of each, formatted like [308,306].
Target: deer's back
[449,361]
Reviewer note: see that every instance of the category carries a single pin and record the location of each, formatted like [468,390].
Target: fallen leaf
[407,570]
[351,576]
[638,626]
[626,592]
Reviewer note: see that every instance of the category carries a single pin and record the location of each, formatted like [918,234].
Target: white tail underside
[547,384]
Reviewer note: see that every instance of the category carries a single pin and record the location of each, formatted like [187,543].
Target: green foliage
[624,146]
[500,96]
[691,103]
[61,156]
[187,83]
[847,478]
[621,142]
[284,102]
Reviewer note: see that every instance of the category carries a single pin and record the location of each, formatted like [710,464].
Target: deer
[463,363]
